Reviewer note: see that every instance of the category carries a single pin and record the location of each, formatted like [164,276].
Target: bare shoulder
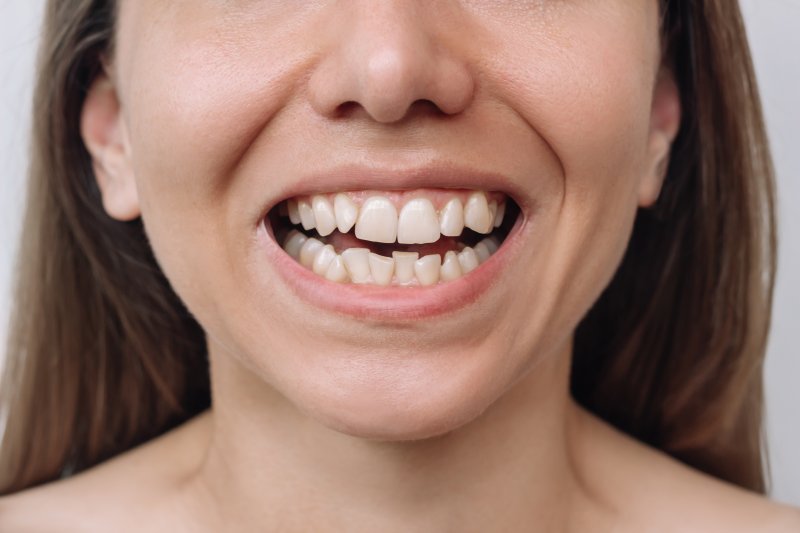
[108,493]
[656,493]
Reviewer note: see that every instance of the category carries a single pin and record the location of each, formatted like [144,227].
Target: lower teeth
[361,266]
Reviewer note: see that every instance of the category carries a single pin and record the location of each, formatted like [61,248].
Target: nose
[387,56]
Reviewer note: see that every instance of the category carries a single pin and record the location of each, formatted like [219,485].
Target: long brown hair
[103,355]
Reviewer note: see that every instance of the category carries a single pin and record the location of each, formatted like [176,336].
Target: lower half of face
[390,223]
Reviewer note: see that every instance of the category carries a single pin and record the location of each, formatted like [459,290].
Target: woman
[454,266]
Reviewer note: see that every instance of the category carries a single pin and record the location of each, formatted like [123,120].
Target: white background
[775,41]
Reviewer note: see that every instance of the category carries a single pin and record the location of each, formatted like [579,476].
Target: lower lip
[394,303]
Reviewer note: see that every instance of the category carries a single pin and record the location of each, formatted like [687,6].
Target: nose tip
[385,69]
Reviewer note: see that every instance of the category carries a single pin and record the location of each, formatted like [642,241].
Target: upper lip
[440,175]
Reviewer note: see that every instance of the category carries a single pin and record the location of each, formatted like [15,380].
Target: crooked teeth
[346,212]
[381,268]
[377,221]
[428,270]
[452,218]
[477,215]
[404,266]
[451,269]
[323,215]
[356,260]
[359,265]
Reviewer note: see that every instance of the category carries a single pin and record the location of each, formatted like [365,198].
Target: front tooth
[323,259]
[346,212]
[309,251]
[428,269]
[377,221]
[294,213]
[356,260]
[381,269]
[294,243]
[404,265]
[468,260]
[476,213]
[452,218]
[482,251]
[418,223]
[451,268]
[306,215]
[323,215]
[501,213]
[336,271]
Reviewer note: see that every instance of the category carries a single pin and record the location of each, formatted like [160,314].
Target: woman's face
[228,109]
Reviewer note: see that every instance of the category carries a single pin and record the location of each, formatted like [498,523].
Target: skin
[462,422]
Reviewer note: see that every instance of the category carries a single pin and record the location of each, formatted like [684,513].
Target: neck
[512,465]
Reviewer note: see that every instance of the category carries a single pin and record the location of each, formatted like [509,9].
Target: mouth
[410,239]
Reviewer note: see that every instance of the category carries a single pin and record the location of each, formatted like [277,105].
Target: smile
[416,238]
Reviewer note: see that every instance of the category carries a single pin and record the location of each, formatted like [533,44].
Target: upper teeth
[378,219]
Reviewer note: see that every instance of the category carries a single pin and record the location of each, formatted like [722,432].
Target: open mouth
[415,238]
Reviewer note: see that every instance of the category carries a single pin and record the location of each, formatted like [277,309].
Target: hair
[102,355]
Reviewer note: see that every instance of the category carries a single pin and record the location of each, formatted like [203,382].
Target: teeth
[356,260]
[468,260]
[428,269]
[359,265]
[452,218]
[346,212]
[404,266]
[323,259]
[336,270]
[482,251]
[451,269]
[294,242]
[477,216]
[377,221]
[381,268]
[501,213]
[308,252]
[306,215]
[294,213]
[418,223]
[323,215]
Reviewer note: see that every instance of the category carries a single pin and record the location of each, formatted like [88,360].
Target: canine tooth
[323,215]
[336,271]
[428,269]
[377,221]
[323,259]
[309,251]
[306,215]
[294,242]
[356,260]
[493,210]
[404,265]
[283,209]
[381,268]
[452,218]
[468,260]
[501,214]
[482,251]
[418,223]
[476,213]
[294,213]
[451,269]
[346,212]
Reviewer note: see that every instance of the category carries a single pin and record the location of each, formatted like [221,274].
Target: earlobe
[665,120]
[105,137]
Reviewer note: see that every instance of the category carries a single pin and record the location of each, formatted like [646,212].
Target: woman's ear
[665,121]
[106,138]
